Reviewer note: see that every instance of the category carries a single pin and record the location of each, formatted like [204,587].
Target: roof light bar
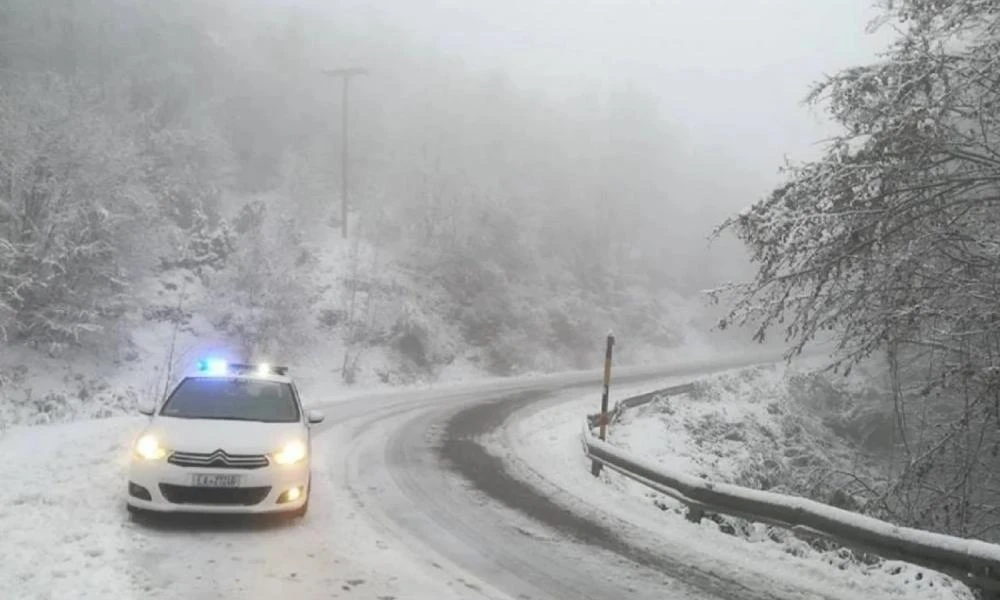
[218,366]
[259,368]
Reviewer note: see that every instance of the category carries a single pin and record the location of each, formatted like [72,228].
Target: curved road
[419,467]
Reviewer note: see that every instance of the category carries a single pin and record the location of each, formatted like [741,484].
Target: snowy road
[412,499]
[457,481]
[428,476]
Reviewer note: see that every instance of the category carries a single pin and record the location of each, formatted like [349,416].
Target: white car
[229,439]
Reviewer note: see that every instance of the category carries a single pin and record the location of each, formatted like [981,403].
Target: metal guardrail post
[607,385]
[595,467]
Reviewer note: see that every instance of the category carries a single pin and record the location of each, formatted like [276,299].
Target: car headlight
[290,454]
[149,448]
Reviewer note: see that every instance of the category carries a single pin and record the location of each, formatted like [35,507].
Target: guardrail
[974,562]
[619,409]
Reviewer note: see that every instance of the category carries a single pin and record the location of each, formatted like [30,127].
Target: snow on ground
[66,534]
[739,427]
[543,447]
[64,528]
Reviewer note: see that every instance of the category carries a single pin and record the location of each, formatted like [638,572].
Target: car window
[234,399]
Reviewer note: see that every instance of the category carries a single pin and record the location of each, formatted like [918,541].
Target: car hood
[235,437]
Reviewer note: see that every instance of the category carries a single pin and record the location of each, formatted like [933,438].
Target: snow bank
[63,522]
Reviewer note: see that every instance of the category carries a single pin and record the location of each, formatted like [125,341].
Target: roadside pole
[595,467]
[345,77]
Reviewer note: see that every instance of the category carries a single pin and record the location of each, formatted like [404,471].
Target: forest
[190,146]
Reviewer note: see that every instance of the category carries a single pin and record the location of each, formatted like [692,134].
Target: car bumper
[162,487]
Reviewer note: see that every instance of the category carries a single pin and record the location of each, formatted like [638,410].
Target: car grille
[218,460]
[182,494]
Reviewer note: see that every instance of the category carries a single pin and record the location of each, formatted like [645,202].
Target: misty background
[523,177]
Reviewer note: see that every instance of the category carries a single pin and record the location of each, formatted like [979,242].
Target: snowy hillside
[743,426]
[351,314]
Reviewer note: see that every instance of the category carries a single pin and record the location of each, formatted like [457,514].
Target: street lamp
[345,76]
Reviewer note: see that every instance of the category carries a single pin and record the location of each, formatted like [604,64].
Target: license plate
[211,480]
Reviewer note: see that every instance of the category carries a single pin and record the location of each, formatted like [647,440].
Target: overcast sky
[731,73]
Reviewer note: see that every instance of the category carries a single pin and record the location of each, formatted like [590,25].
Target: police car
[231,438]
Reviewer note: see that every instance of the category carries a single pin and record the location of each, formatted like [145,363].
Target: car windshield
[233,399]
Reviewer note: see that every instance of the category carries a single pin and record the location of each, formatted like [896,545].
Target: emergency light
[216,366]
[213,366]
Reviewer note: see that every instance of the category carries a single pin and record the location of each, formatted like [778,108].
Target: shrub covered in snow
[23,401]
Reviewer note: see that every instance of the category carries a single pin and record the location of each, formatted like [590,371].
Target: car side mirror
[147,408]
[315,416]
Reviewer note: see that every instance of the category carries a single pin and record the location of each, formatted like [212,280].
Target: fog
[730,76]
[726,79]
[524,172]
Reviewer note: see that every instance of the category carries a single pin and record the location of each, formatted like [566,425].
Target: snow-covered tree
[267,291]
[70,200]
[891,241]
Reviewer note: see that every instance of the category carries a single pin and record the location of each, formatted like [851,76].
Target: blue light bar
[213,366]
